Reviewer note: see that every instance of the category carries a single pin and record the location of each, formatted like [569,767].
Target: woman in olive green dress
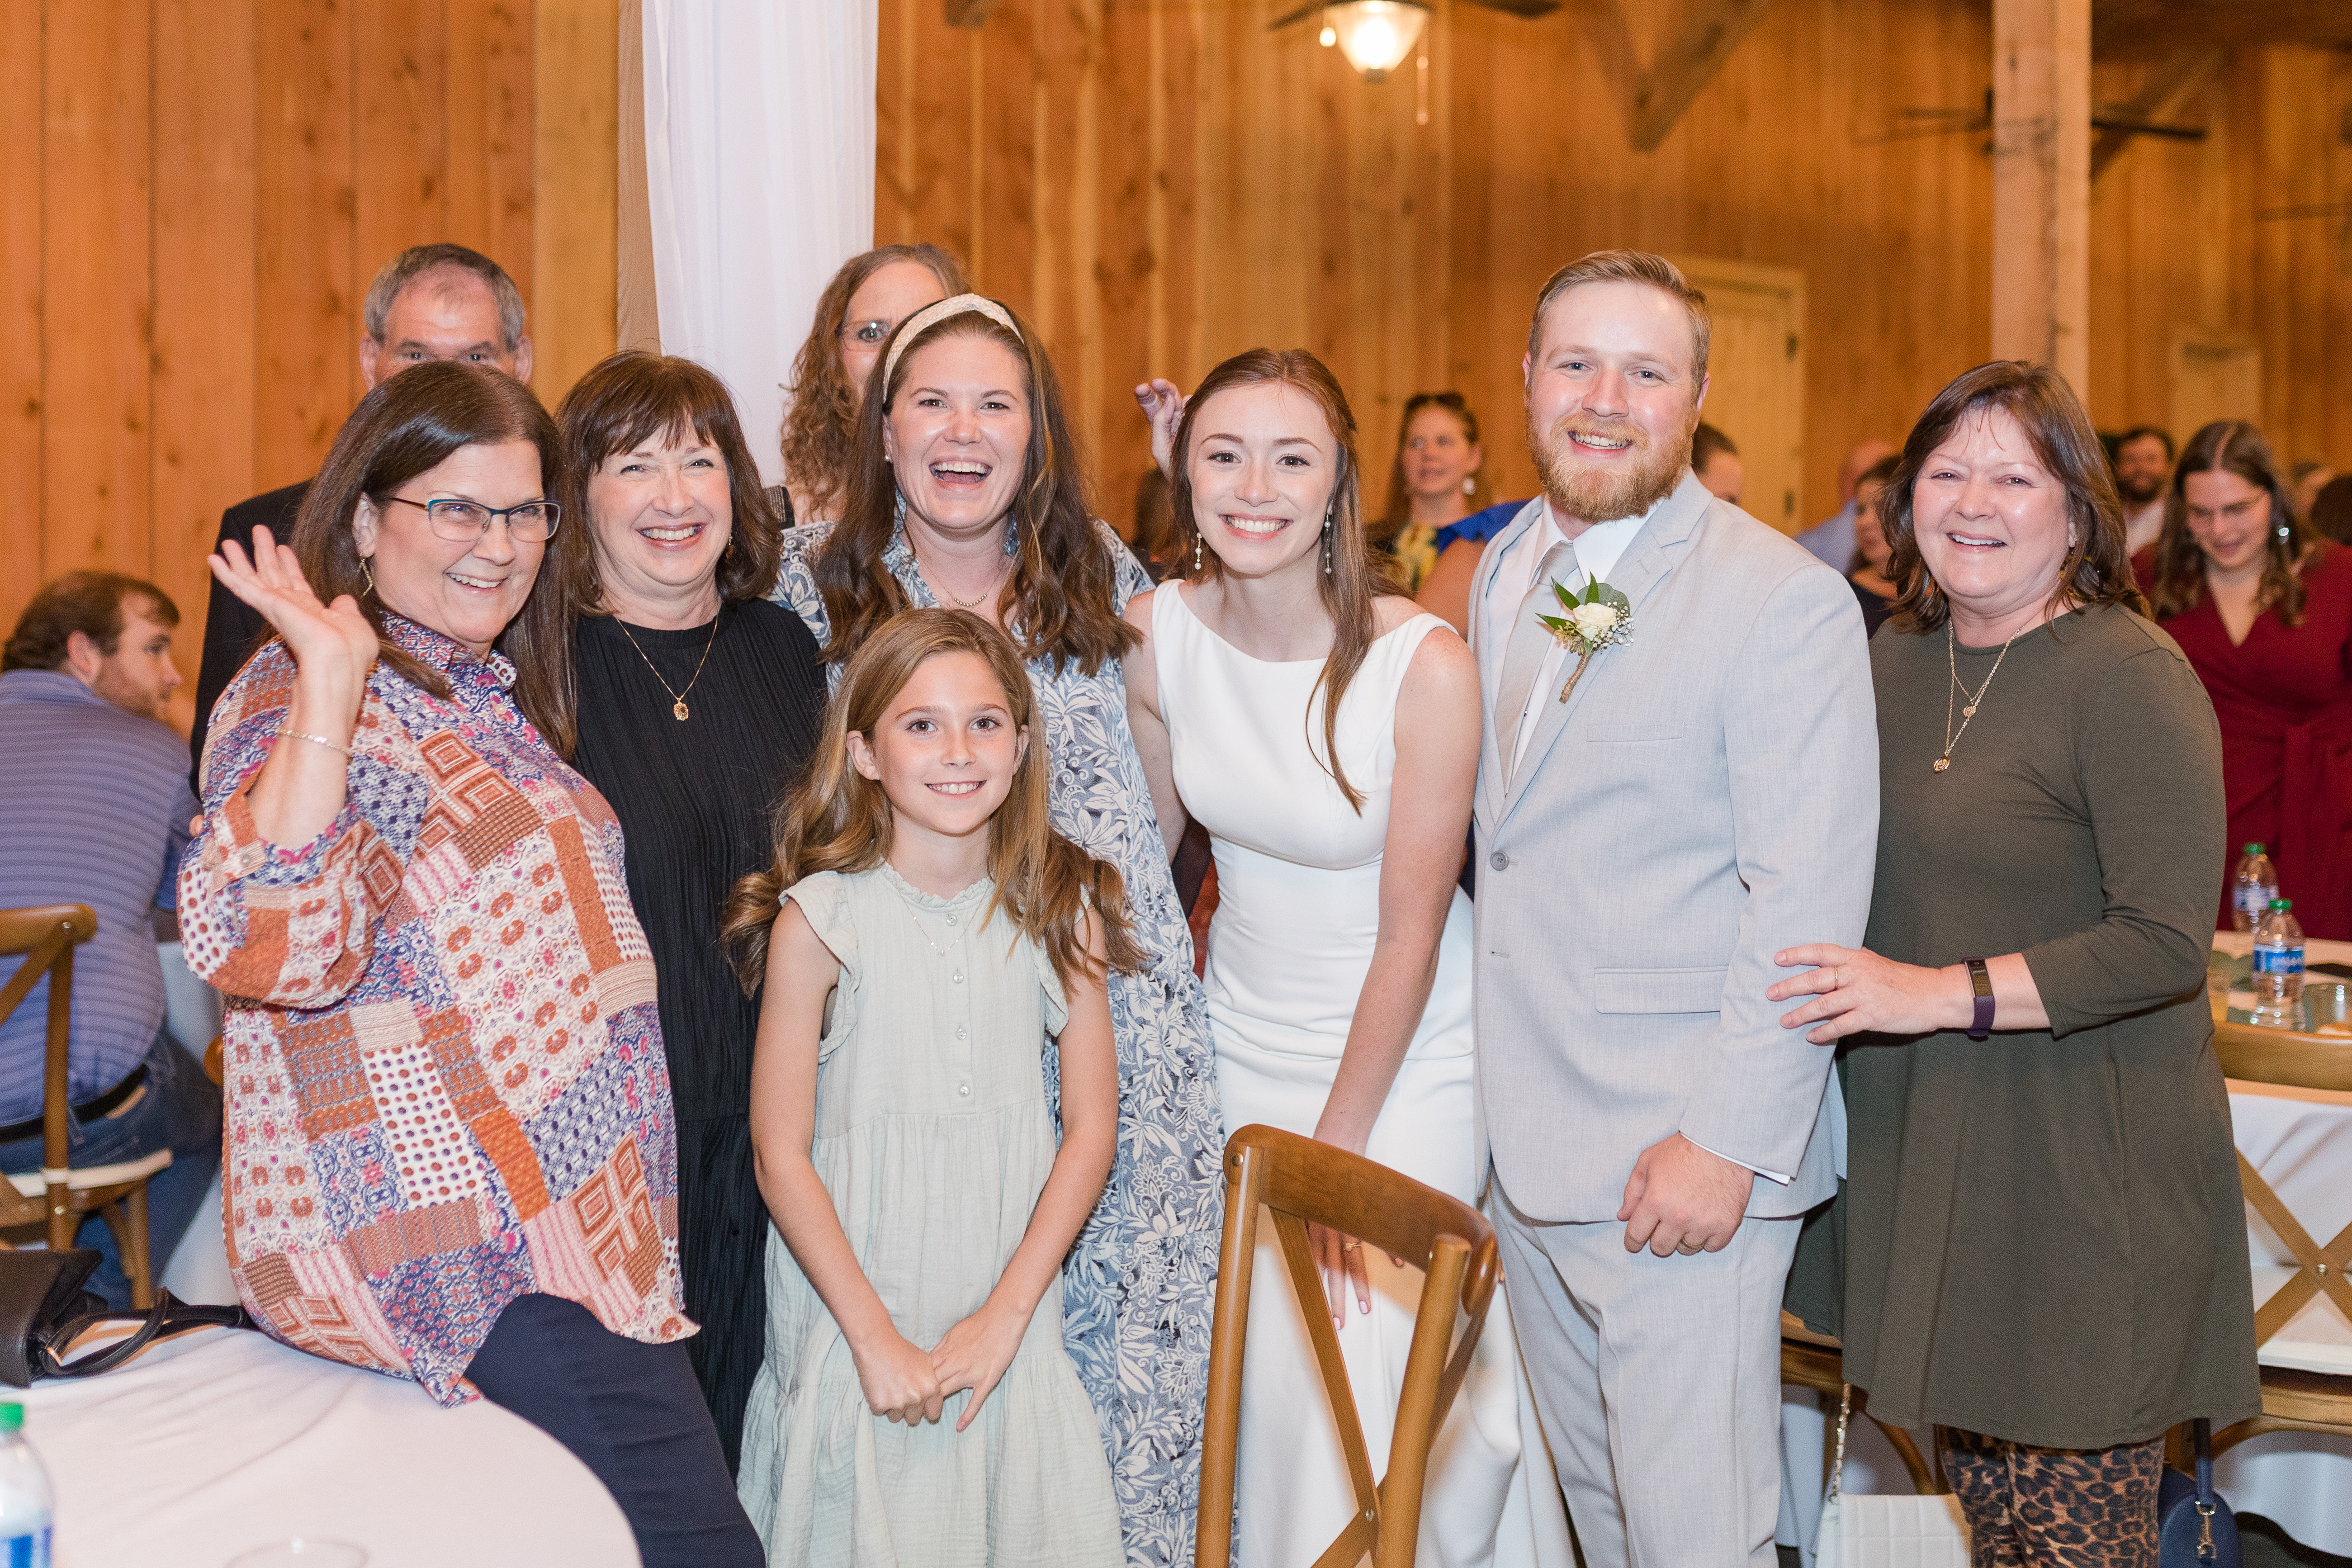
[2045,1252]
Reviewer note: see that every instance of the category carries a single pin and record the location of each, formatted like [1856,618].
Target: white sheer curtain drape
[758,180]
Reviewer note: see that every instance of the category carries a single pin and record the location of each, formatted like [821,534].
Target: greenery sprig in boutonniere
[1599,618]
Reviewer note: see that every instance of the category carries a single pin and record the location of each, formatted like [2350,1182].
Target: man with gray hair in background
[429,303]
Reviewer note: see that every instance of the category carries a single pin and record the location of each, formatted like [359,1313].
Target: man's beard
[128,696]
[1605,492]
[2135,496]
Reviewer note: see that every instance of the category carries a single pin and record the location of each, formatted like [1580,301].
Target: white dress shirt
[1598,549]
[2141,527]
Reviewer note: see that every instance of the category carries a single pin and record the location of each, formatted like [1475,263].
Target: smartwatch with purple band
[1981,982]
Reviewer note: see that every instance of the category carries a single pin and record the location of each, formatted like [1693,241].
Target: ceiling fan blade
[1298,15]
[1529,8]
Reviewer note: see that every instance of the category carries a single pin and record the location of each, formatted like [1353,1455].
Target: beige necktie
[1531,642]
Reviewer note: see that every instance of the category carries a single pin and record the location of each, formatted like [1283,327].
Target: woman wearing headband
[964,490]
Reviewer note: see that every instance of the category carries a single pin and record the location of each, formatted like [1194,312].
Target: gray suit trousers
[1660,1384]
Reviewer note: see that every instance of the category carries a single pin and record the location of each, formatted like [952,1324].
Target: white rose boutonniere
[1599,618]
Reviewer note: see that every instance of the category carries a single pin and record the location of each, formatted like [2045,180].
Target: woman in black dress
[691,700]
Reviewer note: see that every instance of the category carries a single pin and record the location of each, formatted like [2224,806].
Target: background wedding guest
[2027,1014]
[1290,700]
[1708,782]
[693,703]
[1717,463]
[966,490]
[429,303]
[2331,510]
[2263,607]
[1832,539]
[1434,482]
[1873,589]
[450,1148]
[94,809]
[872,293]
[2142,463]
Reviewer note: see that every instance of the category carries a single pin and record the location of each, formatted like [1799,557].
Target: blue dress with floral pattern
[1138,1289]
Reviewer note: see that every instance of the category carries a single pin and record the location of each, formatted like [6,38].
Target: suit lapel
[1652,555]
[1490,658]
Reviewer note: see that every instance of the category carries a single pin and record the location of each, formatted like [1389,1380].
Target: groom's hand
[1680,1198]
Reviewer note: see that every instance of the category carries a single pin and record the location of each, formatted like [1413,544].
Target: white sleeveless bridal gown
[1298,883]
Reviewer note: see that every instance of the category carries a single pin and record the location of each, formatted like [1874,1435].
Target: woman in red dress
[2263,607]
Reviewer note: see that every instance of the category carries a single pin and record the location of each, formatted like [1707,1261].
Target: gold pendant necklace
[971,603]
[1969,710]
[678,699]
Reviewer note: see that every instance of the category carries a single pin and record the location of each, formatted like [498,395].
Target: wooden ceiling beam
[2169,88]
[1705,32]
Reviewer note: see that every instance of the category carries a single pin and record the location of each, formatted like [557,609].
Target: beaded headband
[924,318]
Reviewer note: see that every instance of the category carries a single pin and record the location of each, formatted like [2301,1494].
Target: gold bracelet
[314,740]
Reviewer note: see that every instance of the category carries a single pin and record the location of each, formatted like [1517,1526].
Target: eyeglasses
[464,522]
[870,333]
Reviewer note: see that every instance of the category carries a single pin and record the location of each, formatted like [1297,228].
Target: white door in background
[1756,379]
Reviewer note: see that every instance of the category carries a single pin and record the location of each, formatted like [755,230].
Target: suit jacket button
[1499,860]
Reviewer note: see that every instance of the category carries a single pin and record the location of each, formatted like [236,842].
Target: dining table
[2300,1140]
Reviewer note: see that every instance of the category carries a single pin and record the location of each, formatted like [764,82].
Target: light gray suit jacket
[1709,796]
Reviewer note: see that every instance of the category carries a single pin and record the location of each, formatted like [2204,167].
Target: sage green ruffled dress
[934,1137]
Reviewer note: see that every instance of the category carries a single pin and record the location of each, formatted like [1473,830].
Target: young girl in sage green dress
[925,937]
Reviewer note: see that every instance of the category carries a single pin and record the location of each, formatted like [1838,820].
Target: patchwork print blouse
[442,1066]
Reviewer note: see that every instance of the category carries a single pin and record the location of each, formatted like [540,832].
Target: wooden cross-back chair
[59,1195]
[2294,1400]
[1303,1182]
[1809,1360]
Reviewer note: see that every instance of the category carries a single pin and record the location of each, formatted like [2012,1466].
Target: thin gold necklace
[971,603]
[935,947]
[678,699]
[1951,661]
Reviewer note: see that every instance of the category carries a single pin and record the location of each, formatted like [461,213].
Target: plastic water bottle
[25,1496]
[2278,968]
[2252,886]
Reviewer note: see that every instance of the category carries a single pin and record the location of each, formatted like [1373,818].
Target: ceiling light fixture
[1375,35]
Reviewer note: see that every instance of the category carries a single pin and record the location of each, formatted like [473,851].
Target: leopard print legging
[2055,1508]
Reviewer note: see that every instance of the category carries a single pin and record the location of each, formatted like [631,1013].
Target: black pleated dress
[695,798]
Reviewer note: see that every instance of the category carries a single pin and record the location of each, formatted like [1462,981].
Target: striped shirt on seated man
[94,809]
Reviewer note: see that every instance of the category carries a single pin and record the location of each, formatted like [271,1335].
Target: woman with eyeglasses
[855,315]
[450,1152]
[2261,603]
[690,700]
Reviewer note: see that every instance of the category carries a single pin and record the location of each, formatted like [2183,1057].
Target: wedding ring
[1351,1246]
[1837,978]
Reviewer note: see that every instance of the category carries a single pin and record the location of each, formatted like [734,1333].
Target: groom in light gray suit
[1706,797]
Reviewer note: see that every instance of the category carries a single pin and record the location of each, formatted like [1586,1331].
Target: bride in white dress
[1339,958]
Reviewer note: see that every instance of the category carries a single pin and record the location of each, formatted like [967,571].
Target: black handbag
[2194,1528]
[43,1308]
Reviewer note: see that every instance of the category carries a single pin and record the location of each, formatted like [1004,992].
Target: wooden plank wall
[1162,183]
[202,190]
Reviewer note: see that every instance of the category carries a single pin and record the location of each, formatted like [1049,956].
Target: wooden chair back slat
[1304,1182]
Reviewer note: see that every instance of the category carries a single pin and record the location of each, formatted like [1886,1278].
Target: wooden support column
[2041,184]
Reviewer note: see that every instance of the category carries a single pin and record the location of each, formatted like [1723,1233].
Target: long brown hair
[820,431]
[837,819]
[1358,575]
[2095,571]
[411,422]
[1062,597]
[624,399]
[2231,447]
[1400,510]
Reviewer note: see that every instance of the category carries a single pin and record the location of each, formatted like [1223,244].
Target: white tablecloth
[2301,1141]
[221,1441]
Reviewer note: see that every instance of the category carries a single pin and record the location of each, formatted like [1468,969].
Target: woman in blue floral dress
[965,491]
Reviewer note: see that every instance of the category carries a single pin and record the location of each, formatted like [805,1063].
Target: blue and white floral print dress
[1138,1289]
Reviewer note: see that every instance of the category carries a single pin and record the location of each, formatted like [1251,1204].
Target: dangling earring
[1327,544]
[1469,484]
[1196,552]
[369,573]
